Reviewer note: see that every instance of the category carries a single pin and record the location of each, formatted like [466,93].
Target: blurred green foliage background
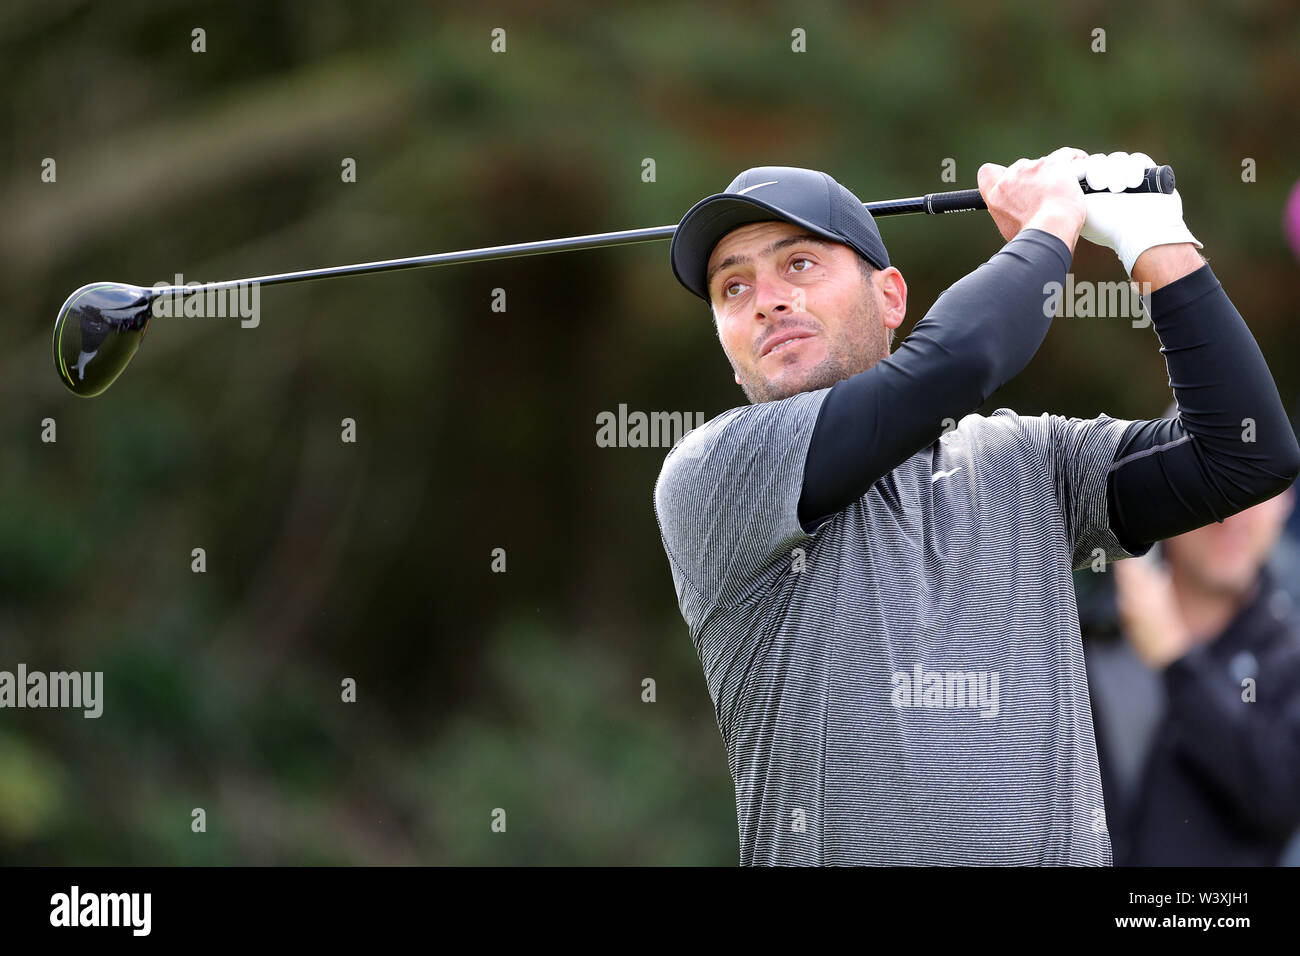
[476,430]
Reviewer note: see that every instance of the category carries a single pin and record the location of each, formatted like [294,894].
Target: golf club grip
[1158,179]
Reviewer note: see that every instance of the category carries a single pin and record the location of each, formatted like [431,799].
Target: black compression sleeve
[978,335]
[1231,445]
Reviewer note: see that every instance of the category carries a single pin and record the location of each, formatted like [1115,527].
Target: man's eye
[809,261]
[726,290]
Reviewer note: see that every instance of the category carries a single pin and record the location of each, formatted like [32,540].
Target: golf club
[100,326]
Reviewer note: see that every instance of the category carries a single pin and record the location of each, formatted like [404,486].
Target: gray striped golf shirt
[907,684]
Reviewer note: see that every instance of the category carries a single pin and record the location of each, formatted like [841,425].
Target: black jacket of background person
[1191,774]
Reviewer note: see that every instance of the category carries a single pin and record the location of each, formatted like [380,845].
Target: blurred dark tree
[476,428]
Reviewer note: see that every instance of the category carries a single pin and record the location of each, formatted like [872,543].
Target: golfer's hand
[1132,223]
[1040,193]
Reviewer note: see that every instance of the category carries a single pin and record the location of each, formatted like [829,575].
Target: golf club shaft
[1158,179]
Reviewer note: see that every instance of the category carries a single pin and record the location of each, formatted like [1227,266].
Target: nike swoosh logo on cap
[742,192]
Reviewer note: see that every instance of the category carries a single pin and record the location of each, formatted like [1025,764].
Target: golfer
[876,579]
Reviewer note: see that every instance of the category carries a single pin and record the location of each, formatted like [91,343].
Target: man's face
[1225,558]
[773,280]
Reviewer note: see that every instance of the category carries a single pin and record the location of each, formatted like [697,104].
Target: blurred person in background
[1291,540]
[1197,706]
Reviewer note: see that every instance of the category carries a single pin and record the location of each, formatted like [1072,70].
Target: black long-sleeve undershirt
[980,333]
[1169,476]
[1231,445]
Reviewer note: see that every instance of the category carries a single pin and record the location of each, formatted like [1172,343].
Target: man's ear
[737,379]
[893,292]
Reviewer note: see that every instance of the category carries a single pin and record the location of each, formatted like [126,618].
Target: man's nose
[773,296]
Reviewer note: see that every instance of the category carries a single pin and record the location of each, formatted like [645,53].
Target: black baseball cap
[805,197]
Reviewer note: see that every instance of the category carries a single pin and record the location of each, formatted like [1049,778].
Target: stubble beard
[858,346]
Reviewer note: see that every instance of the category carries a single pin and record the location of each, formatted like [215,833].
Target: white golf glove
[1129,223]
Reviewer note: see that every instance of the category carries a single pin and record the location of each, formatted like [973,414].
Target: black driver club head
[99,328]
